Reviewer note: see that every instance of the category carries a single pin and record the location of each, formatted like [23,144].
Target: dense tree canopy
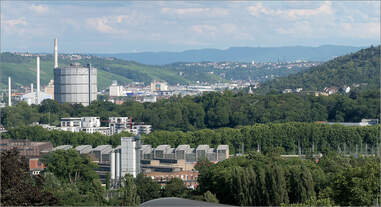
[72,178]
[18,186]
[56,137]
[286,137]
[211,110]
[270,180]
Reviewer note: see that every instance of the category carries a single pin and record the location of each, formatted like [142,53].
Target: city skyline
[125,26]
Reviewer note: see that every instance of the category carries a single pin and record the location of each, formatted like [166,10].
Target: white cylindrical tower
[128,156]
[117,168]
[55,53]
[75,84]
[31,87]
[9,92]
[38,81]
[112,165]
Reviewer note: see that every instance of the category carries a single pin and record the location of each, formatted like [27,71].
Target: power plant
[38,81]
[74,84]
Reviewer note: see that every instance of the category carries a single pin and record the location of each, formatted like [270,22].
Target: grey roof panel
[223,147]
[202,147]
[183,147]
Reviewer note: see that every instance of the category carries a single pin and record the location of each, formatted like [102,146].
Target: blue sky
[131,26]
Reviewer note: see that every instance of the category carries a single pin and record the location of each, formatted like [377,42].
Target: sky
[138,26]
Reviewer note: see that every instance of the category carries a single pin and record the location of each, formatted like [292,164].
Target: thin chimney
[55,53]
[31,87]
[38,81]
[9,92]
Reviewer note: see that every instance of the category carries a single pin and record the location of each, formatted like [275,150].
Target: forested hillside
[23,70]
[358,69]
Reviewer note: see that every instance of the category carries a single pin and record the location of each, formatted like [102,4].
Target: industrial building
[130,156]
[161,163]
[32,151]
[102,153]
[36,97]
[26,147]
[74,84]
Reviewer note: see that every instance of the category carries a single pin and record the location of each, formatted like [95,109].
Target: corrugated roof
[103,148]
[82,147]
[163,147]
[146,149]
[183,147]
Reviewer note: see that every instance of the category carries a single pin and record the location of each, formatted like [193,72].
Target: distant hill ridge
[361,68]
[242,54]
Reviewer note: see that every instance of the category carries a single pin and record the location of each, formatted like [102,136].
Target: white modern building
[130,156]
[83,124]
[116,90]
[30,98]
[119,124]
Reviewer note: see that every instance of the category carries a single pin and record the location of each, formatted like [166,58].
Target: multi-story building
[83,124]
[116,90]
[119,124]
[142,128]
[163,162]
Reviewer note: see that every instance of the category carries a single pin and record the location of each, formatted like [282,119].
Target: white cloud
[195,11]
[259,9]
[324,9]
[39,9]
[101,24]
[204,29]
[360,30]
[121,18]
[15,22]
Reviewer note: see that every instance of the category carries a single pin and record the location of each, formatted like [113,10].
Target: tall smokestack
[9,92]
[89,66]
[55,53]
[38,81]
[31,87]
